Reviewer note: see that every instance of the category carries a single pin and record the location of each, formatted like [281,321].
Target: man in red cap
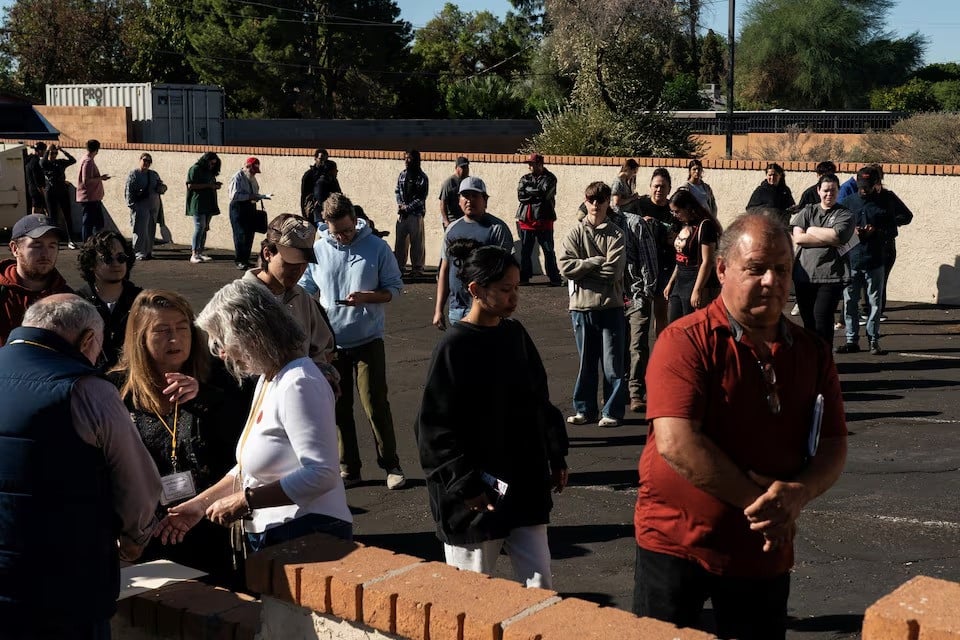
[244,193]
[32,273]
[537,193]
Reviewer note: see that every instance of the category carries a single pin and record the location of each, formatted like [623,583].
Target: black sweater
[486,409]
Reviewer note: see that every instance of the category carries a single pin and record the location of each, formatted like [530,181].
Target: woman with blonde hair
[163,377]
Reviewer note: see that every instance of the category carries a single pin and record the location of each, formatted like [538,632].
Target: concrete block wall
[921,609]
[928,262]
[318,583]
[322,587]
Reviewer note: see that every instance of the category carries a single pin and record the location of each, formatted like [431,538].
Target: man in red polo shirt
[732,454]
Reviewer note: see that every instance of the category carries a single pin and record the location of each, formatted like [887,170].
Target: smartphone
[342,301]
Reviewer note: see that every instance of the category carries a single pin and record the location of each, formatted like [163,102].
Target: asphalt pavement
[894,514]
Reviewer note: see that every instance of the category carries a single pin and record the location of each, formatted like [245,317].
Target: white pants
[526,546]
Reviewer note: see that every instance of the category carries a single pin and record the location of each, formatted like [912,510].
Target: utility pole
[731,17]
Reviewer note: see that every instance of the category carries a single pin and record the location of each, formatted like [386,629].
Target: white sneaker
[395,479]
[71,245]
[607,421]
[195,259]
[577,419]
[795,311]
[204,257]
[350,479]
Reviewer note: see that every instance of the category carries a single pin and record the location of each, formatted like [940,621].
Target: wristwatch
[247,497]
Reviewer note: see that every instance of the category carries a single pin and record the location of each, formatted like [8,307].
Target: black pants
[678,305]
[58,202]
[242,221]
[674,590]
[818,303]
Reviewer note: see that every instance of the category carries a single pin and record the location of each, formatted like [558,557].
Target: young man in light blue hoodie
[353,294]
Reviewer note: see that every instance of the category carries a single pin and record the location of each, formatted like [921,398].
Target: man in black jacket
[537,193]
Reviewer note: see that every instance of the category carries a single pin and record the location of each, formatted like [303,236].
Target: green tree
[830,54]
[614,52]
[683,92]
[914,96]
[300,58]
[71,41]
[464,49]
[713,59]
[947,93]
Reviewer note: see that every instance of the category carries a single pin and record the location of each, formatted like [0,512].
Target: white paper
[139,578]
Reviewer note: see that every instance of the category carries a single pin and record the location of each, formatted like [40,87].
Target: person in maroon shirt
[730,462]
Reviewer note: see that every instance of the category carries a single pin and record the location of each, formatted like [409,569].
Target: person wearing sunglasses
[105,261]
[747,427]
[593,260]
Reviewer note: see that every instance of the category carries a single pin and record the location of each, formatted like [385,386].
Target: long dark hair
[684,199]
[483,264]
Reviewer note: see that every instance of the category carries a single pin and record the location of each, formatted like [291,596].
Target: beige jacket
[592,260]
[319,345]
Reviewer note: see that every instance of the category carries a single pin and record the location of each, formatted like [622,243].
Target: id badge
[177,486]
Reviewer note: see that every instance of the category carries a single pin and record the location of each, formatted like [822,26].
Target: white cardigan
[293,439]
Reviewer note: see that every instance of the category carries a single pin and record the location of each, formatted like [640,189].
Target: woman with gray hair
[286,483]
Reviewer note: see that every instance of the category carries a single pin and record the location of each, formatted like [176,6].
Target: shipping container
[160,113]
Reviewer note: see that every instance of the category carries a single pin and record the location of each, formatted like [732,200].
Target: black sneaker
[350,479]
[850,347]
[875,348]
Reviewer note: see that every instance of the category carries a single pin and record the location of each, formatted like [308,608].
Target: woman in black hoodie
[773,192]
[491,444]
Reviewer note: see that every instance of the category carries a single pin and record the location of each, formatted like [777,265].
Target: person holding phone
[490,465]
[356,276]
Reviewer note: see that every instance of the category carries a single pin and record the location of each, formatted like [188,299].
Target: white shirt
[293,438]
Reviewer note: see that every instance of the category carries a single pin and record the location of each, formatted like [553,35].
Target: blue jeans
[299,527]
[873,279]
[91,221]
[601,337]
[201,221]
[545,239]
[456,315]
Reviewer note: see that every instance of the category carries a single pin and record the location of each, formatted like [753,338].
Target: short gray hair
[246,317]
[68,316]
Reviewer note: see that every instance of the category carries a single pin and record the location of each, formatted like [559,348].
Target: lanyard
[172,432]
[251,420]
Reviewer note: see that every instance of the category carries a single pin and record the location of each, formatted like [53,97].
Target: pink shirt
[89,184]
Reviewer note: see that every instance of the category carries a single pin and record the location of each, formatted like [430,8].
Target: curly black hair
[99,245]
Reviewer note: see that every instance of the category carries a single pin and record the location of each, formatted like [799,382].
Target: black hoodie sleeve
[443,454]
[551,418]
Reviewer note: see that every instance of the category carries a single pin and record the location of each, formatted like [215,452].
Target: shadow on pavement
[615,479]
[839,623]
[853,416]
[600,441]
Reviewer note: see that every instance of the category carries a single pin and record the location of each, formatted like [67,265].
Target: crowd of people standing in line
[292,337]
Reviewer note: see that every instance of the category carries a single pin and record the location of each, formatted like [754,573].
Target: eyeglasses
[769,375]
[122,258]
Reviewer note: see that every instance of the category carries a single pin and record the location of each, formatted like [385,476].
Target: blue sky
[939,20]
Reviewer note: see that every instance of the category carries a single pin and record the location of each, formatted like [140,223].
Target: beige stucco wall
[928,262]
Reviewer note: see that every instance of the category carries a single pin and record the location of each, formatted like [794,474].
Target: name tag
[177,486]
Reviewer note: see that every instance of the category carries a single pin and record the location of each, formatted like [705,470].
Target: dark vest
[57,524]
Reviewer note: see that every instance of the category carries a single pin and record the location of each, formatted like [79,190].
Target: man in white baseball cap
[476,224]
